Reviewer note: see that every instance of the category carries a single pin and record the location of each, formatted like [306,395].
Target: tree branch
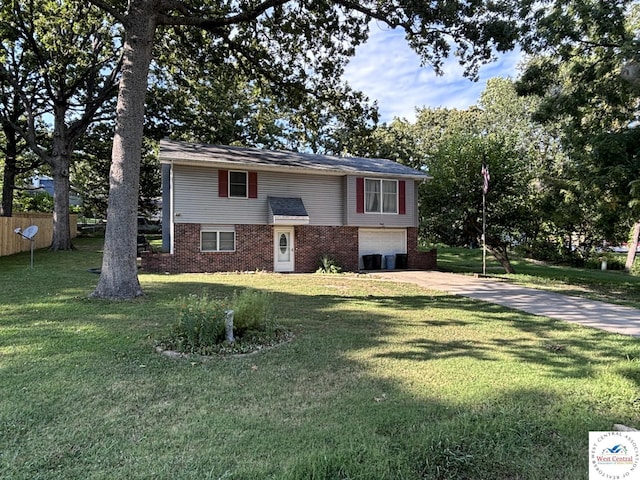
[378,15]
[122,18]
[29,39]
[29,133]
[213,24]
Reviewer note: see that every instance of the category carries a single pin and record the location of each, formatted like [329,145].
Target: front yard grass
[382,381]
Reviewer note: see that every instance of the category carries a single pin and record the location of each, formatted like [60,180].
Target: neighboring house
[41,183]
[44,183]
[244,209]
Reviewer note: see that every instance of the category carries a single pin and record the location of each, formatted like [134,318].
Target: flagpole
[484,227]
[485,189]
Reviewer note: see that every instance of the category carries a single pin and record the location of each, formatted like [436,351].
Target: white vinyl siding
[196,200]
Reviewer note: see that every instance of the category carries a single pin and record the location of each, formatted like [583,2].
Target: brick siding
[254,250]
[340,243]
[418,260]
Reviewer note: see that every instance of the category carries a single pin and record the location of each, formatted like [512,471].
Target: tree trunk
[631,255]
[61,226]
[10,170]
[119,274]
[502,256]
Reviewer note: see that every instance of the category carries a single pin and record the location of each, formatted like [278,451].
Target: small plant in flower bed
[200,328]
[328,265]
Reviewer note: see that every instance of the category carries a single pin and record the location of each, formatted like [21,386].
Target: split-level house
[244,209]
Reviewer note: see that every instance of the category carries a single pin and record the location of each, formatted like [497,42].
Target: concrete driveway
[590,313]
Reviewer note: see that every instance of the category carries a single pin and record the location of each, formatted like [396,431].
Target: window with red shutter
[360,195]
[253,185]
[223,183]
[238,184]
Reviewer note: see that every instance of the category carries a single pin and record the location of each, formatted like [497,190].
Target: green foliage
[200,324]
[615,261]
[225,106]
[61,69]
[200,328]
[451,146]
[33,202]
[90,173]
[451,206]
[252,311]
[546,250]
[635,268]
[328,265]
[586,77]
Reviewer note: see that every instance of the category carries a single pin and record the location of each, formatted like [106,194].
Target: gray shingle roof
[189,153]
[287,206]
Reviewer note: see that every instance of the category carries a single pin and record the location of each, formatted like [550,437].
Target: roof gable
[189,153]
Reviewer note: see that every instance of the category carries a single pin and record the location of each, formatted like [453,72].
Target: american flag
[485,179]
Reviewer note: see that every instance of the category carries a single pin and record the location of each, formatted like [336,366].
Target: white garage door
[384,242]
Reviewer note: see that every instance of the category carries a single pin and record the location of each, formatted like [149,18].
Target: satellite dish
[30,232]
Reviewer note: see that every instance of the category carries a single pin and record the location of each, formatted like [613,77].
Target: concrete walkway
[590,313]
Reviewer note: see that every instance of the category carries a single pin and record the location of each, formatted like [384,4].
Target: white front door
[283,249]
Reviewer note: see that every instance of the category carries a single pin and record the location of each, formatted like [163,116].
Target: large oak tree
[59,70]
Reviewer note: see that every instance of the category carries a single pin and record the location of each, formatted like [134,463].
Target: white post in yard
[228,326]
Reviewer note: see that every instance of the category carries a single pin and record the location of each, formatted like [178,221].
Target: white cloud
[387,70]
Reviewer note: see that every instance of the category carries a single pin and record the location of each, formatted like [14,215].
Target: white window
[380,196]
[238,184]
[220,240]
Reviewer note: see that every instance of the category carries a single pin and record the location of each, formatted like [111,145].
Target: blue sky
[388,71]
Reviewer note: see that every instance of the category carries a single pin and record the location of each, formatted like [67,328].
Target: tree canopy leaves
[60,70]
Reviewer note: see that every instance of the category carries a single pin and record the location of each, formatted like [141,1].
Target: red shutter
[253,184]
[359,195]
[402,201]
[223,183]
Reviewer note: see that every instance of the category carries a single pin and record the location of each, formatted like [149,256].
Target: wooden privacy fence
[11,243]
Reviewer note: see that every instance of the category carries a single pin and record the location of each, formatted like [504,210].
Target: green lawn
[609,286]
[382,381]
